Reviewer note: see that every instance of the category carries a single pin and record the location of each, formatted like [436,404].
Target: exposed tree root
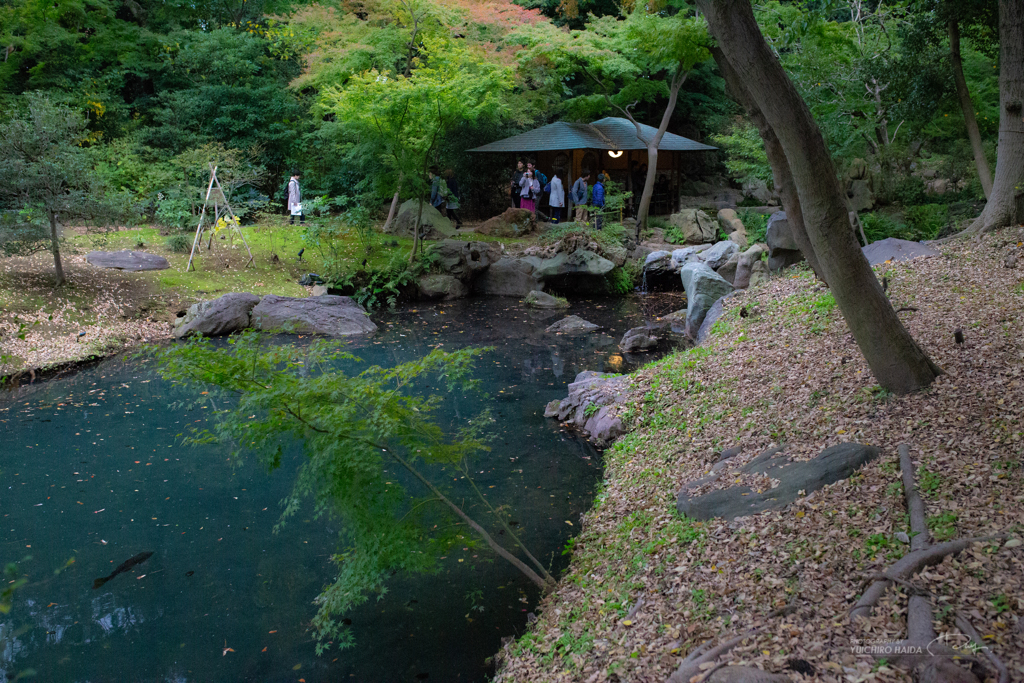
[922,652]
[701,655]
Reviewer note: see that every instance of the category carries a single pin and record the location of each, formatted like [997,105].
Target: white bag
[296,209]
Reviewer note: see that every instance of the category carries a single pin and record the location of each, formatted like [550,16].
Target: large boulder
[537,299]
[796,479]
[744,267]
[579,262]
[859,195]
[572,324]
[126,260]
[330,315]
[893,249]
[588,391]
[465,260]
[616,253]
[638,339]
[733,227]
[703,288]
[719,254]
[661,272]
[696,226]
[728,269]
[433,225]
[223,315]
[513,223]
[758,273]
[714,313]
[441,286]
[783,250]
[756,188]
[508,277]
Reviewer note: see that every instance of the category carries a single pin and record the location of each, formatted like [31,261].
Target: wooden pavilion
[609,146]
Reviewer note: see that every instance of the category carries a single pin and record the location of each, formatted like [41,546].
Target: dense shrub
[179,244]
[756,224]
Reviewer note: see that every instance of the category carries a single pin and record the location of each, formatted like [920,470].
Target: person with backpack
[438,190]
[578,196]
[598,200]
[539,176]
[452,203]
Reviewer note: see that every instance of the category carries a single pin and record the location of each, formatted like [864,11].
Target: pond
[93,472]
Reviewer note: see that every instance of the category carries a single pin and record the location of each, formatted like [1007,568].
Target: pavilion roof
[609,133]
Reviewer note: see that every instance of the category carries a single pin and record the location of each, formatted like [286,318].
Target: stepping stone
[127,260]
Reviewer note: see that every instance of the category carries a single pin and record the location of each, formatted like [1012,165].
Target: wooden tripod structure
[221,208]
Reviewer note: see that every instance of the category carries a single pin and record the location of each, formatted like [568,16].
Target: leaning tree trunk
[394,208]
[416,231]
[652,148]
[55,248]
[895,359]
[1001,207]
[971,121]
[781,173]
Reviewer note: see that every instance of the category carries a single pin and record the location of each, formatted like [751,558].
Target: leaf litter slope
[646,586]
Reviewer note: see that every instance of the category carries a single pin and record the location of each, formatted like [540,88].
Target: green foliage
[398,120]
[48,174]
[756,224]
[922,222]
[383,286]
[943,527]
[180,244]
[745,155]
[356,432]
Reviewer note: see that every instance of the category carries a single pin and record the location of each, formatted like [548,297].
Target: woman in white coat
[557,197]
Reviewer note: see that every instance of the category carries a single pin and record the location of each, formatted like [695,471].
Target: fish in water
[123,567]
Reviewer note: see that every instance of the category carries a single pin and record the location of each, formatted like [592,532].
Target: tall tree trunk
[1000,209]
[416,232]
[652,148]
[895,359]
[973,134]
[55,248]
[394,207]
[776,159]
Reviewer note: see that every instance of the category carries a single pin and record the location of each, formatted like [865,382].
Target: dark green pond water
[92,472]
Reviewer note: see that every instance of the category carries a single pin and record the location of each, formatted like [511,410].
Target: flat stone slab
[797,479]
[329,315]
[892,249]
[572,324]
[127,260]
[223,315]
[537,299]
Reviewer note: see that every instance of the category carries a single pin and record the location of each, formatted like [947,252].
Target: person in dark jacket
[516,186]
[578,197]
[438,190]
[452,204]
[597,199]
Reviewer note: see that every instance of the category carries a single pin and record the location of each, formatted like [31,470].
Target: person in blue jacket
[597,199]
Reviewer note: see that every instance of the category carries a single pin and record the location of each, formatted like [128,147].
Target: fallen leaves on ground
[646,586]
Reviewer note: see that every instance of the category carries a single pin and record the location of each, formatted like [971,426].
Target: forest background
[265,87]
